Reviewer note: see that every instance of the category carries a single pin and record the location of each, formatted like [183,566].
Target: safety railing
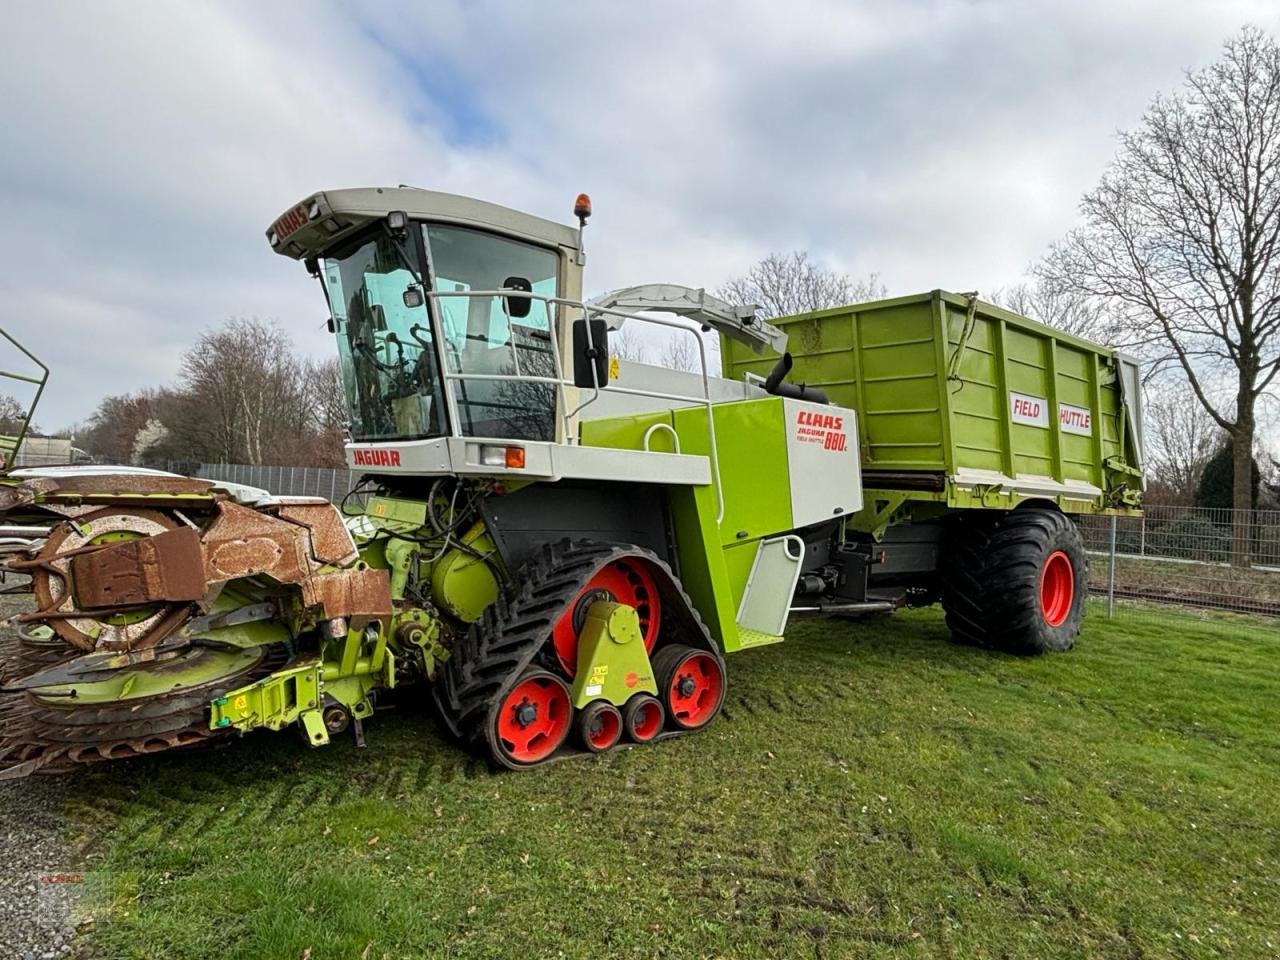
[11,444]
[569,417]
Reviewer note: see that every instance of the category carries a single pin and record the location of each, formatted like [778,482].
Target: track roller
[691,685]
[643,717]
[599,726]
[533,719]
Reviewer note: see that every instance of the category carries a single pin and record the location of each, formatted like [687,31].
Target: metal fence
[1182,555]
[1171,555]
[325,482]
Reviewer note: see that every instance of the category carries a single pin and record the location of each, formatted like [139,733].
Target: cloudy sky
[148,145]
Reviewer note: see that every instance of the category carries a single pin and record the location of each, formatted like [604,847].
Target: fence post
[1111,573]
[1142,537]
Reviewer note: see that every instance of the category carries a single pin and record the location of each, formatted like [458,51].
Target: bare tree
[245,393]
[784,284]
[626,344]
[1180,438]
[1182,239]
[12,416]
[680,353]
[114,426]
[1062,307]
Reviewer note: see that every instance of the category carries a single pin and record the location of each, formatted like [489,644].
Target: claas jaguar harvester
[558,545]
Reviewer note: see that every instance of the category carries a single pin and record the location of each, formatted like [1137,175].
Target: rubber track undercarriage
[513,640]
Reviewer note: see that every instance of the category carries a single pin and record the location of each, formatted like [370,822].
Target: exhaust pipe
[776,383]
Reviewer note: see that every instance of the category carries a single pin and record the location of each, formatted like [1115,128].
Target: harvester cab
[460,320]
[561,545]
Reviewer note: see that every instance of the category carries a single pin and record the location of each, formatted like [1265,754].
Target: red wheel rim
[604,728]
[622,581]
[534,718]
[695,691]
[646,721]
[1057,589]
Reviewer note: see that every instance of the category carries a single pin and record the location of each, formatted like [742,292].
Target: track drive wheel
[599,726]
[1016,583]
[533,719]
[626,580]
[643,717]
[691,685]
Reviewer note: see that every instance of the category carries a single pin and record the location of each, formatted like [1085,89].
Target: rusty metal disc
[55,594]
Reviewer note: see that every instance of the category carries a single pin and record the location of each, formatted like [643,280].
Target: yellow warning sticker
[615,368]
[241,703]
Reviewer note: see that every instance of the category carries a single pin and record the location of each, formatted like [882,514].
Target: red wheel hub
[534,718]
[1057,589]
[602,728]
[622,581]
[695,691]
[644,721]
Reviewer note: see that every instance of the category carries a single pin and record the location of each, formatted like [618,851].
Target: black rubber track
[991,580]
[514,631]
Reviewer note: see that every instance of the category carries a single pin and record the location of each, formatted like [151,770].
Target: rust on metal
[55,598]
[118,483]
[241,542]
[167,566]
[330,540]
[25,492]
[357,594]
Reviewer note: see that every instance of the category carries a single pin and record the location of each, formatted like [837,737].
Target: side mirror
[590,358]
[413,297]
[517,306]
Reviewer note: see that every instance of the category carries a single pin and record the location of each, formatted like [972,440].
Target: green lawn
[871,791]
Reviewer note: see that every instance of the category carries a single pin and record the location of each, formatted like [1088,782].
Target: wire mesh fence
[1183,556]
[1172,555]
[331,484]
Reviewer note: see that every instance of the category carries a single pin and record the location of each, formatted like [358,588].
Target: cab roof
[316,223]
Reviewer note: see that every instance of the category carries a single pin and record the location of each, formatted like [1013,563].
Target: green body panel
[930,378]
[755,482]
[612,662]
[463,582]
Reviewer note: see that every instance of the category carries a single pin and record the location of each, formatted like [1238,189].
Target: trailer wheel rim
[1057,589]
[623,582]
[695,691]
[534,718]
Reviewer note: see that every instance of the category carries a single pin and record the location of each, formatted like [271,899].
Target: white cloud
[938,143]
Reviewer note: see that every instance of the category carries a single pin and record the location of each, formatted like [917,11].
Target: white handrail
[560,382]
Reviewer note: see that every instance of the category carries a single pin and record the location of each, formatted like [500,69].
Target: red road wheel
[1057,588]
[643,717]
[599,726]
[534,718]
[622,581]
[691,684]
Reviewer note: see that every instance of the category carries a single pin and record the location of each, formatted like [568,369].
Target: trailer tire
[1017,583]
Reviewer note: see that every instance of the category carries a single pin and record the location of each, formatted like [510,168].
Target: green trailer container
[964,404]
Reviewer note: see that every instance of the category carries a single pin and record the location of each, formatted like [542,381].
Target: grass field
[871,791]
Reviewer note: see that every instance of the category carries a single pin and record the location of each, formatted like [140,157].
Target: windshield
[481,340]
[385,348]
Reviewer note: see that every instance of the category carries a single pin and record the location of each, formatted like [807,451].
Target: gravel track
[36,916]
